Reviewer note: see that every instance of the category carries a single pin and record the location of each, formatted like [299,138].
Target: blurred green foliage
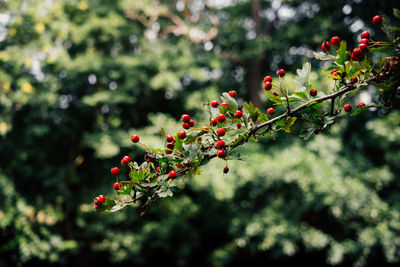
[77,78]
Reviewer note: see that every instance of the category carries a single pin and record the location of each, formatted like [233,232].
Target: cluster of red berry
[268,85]
[99,200]
[115,172]
[326,46]
[349,108]
[221,118]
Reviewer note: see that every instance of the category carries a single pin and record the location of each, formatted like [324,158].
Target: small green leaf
[192,136]
[178,143]
[322,56]
[262,117]
[253,111]
[396,13]
[285,123]
[302,77]
[125,190]
[117,207]
[233,105]
[193,150]
[135,176]
[165,193]
[342,53]
[272,97]
[359,110]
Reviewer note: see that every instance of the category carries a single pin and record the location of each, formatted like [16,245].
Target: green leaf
[342,53]
[395,29]
[262,117]
[233,105]
[359,110]
[285,123]
[107,205]
[253,111]
[135,176]
[292,98]
[396,13]
[302,94]
[165,193]
[273,98]
[192,136]
[322,56]
[178,143]
[118,207]
[193,150]
[125,190]
[302,77]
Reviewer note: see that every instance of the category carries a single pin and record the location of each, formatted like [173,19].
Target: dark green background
[77,78]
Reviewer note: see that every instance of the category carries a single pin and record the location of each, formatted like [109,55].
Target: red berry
[363,47]
[335,40]
[267,79]
[377,20]
[357,52]
[170,138]
[125,160]
[221,132]
[313,92]
[364,41]
[238,114]
[158,169]
[357,55]
[220,144]
[223,104]
[117,186]
[182,135]
[213,122]
[168,151]
[214,104]
[191,123]
[221,118]
[185,125]
[172,174]
[115,171]
[354,79]
[326,46]
[102,198]
[333,72]
[347,107]
[280,73]
[360,105]
[170,145]
[365,34]
[135,138]
[267,85]
[96,200]
[271,111]
[185,118]
[226,169]
[221,153]
[238,124]
[232,93]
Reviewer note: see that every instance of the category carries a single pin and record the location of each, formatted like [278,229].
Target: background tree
[78,76]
